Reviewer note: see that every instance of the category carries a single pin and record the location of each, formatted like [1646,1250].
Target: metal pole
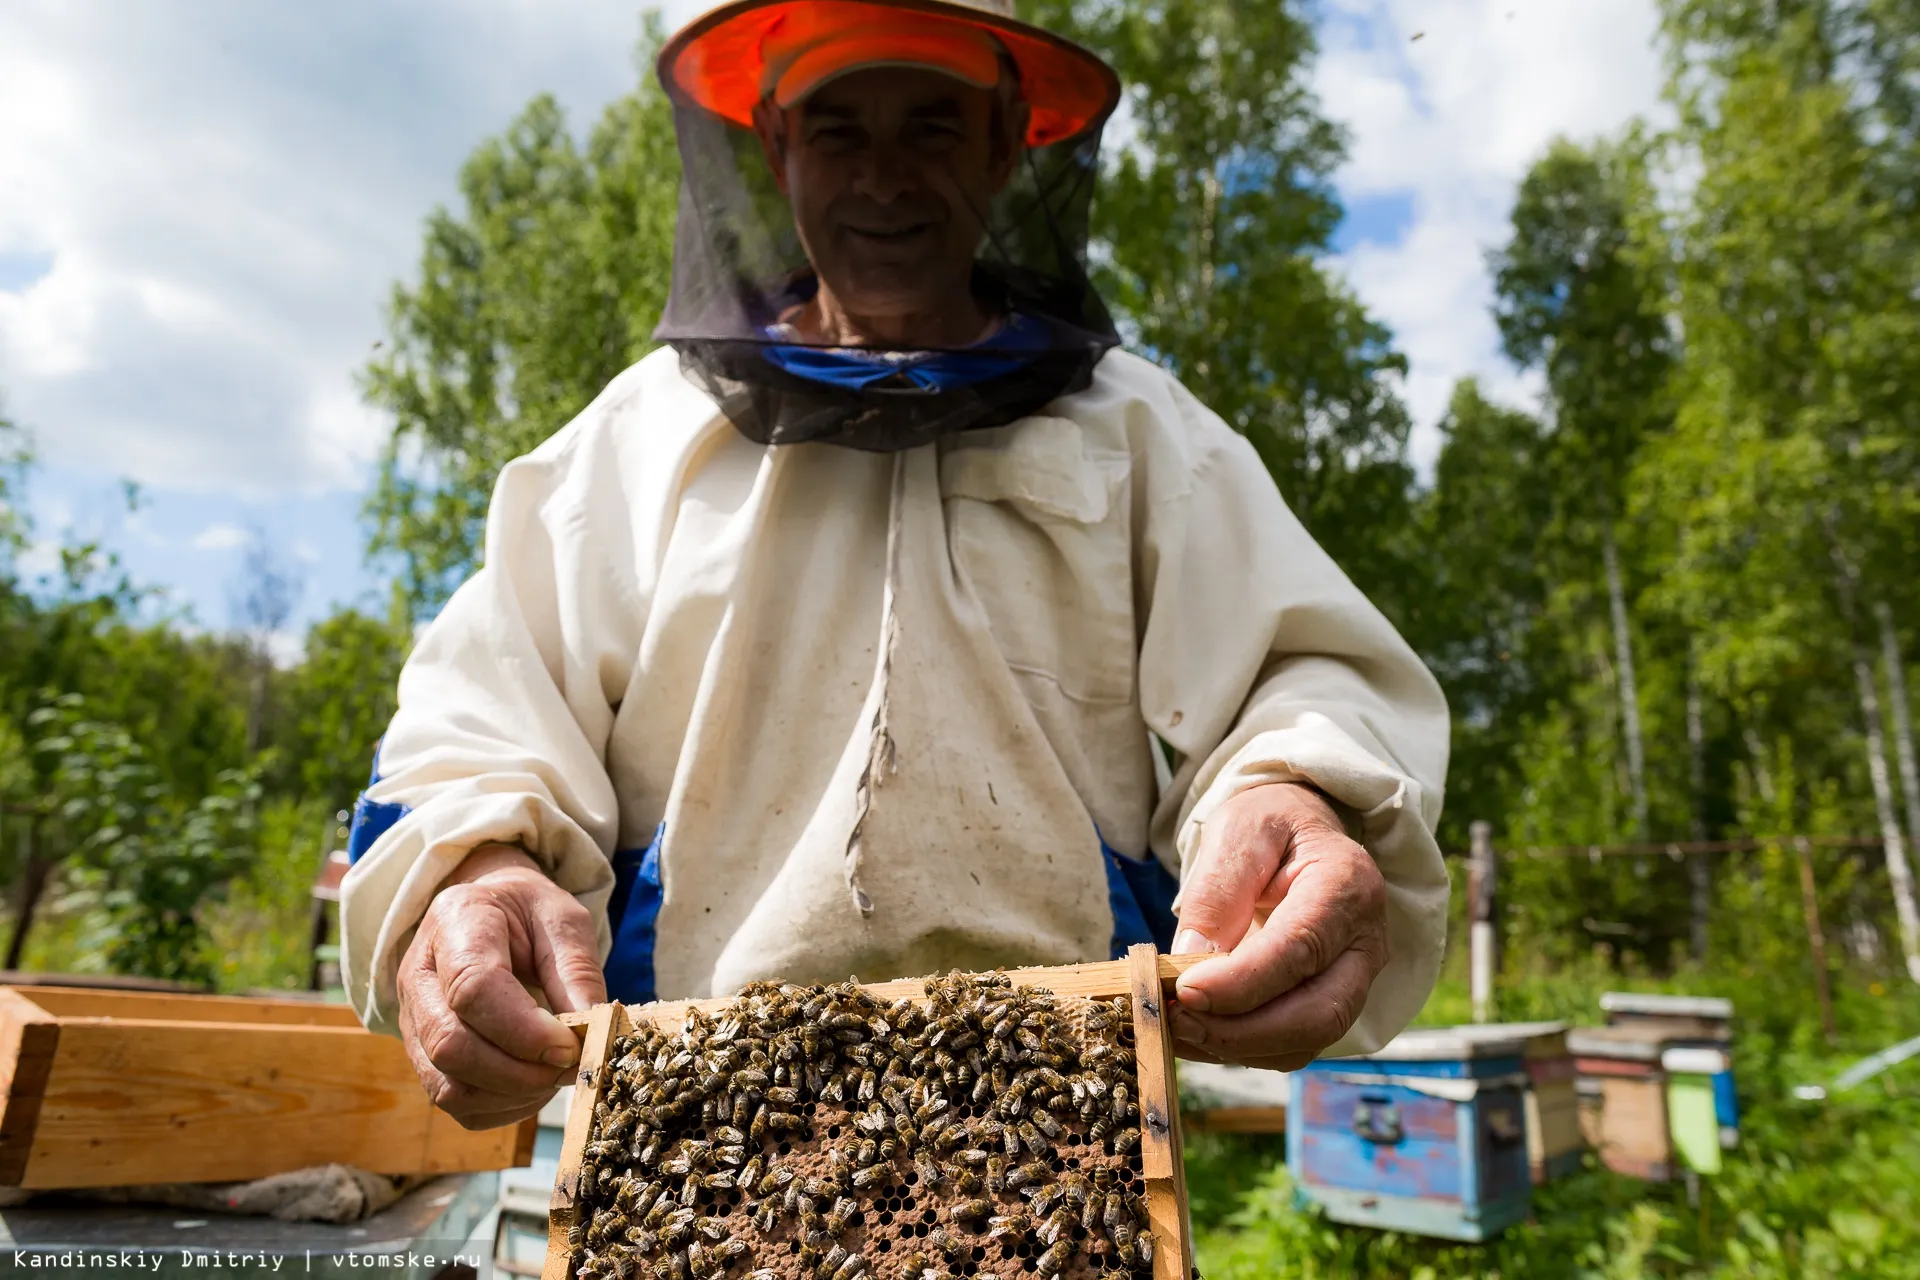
[1483,940]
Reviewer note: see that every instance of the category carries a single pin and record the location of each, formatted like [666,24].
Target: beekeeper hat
[743,53]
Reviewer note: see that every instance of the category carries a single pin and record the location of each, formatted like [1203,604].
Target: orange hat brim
[719,61]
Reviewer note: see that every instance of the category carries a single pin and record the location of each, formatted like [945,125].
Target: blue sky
[208,202]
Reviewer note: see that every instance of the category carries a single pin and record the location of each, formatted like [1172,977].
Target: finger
[566,954]
[1292,1029]
[463,1102]
[453,1046]
[1329,903]
[502,1118]
[1236,863]
[472,953]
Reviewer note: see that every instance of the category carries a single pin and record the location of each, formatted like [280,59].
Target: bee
[1014,1226]
[1050,1262]
[1058,1224]
[972,1157]
[982,1089]
[1113,1210]
[948,1138]
[847,1270]
[868,1083]
[1123,1245]
[1102,1126]
[1027,1174]
[903,1126]
[1120,1102]
[842,1212]
[699,1261]
[778,1179]
[1144,1243]
[929,1171]
[1044,1121]
[766,1217]
[728,1136]
[966,1182]
[971,1210]
[1138,1207]
[889,1147]
[996,1174]
[750,1175]
[1035,1143]
[831,1263]
[834,1091]
[763,1273]
[751,1078]
[718,1179]
[947,1242]
[868,1153]
[1126,1141]
[871,1174]
[1045,1198]
[689,1193]
[711,1228]
[577,1234]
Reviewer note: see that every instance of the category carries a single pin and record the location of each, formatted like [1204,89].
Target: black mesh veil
[738,264]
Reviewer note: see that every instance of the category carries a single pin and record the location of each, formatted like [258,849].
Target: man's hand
[497,932]
[1300,910]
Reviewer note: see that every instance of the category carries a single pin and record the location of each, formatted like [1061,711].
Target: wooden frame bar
[1144,975]
[121,1088]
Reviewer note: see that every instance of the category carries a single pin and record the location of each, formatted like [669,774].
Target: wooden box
[1691,1021]
[1144,976]
[1222,1099]
[113,1088]
[1426,1136]
[1626,1119]
[1554,1141]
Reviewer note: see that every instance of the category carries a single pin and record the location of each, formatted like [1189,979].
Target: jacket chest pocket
[1039,527]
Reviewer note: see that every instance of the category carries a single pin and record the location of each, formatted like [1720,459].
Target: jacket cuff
[387,891]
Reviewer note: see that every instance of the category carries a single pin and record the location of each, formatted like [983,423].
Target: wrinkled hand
[498,934]
[1300,912]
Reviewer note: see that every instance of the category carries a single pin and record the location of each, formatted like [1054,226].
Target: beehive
[1001,1125]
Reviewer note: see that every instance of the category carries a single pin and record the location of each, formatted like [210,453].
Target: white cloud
[225,191]
[222,537]
[1452,121]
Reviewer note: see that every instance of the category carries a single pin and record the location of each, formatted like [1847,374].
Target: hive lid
[1694,1060]
[1223,1086]
[1447,1044]
[1659,1006]
[1638,1042]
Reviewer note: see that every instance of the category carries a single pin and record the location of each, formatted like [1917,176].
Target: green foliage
[155,856]
[330,710]
[531,299]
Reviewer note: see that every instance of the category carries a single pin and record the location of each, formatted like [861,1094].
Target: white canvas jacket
[886,707]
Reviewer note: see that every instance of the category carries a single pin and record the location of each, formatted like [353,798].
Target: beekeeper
[890,618]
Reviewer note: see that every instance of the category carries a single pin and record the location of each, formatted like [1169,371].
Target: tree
[537,294]
[1210,226]
[332,708]
[1576,302]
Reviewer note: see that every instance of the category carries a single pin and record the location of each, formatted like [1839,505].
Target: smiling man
[891,619]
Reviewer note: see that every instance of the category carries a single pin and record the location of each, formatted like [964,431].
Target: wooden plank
[1237,1120]
[71,1003]
[1102,980]
[29,1038]
[607,1022]
[1160,1151]
[130,1101]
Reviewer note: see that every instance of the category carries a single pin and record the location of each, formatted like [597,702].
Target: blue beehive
[1427,1136]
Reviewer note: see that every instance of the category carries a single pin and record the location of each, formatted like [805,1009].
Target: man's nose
[885,173]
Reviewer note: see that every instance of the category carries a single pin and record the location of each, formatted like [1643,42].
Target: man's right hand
[486,1050]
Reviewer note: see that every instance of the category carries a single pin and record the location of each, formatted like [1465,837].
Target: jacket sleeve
[505,708]
[1261,662]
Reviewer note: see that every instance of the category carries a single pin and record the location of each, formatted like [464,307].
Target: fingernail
[560,1057]
[1191,942]
[1193,998]
[1188,1028]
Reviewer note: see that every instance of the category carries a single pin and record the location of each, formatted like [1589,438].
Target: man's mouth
[892,235]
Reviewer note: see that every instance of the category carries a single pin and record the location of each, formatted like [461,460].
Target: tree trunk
[33,882]
[1890,658]
[1699,869]
[1899,874]
[1629,688]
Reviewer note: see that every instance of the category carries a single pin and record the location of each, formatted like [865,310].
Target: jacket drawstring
[880,763]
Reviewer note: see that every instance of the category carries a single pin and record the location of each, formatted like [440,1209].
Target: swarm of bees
[812,1133]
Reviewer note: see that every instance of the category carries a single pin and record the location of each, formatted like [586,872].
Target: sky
[205,205]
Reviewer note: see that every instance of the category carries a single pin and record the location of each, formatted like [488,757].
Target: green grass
[1816,1189]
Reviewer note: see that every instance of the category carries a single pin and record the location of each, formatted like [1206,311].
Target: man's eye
[839,135]
[934,137]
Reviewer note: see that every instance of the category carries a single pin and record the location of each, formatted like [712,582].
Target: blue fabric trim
[371,818]
[1015,345]
[1141,895]
[633,911]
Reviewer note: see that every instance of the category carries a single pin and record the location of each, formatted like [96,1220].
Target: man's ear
[770,126]
[1011,143]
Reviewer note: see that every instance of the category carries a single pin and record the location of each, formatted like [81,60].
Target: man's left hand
[1299,912]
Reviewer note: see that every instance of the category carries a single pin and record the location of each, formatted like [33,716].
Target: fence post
[1483,939]
[1816,938]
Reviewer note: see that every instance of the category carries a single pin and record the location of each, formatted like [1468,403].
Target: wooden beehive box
[1222,1099]
[870,1219]
[1625,1120]
[1554,1141]
[116,1088]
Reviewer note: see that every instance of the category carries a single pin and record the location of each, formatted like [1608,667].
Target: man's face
[889,172]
